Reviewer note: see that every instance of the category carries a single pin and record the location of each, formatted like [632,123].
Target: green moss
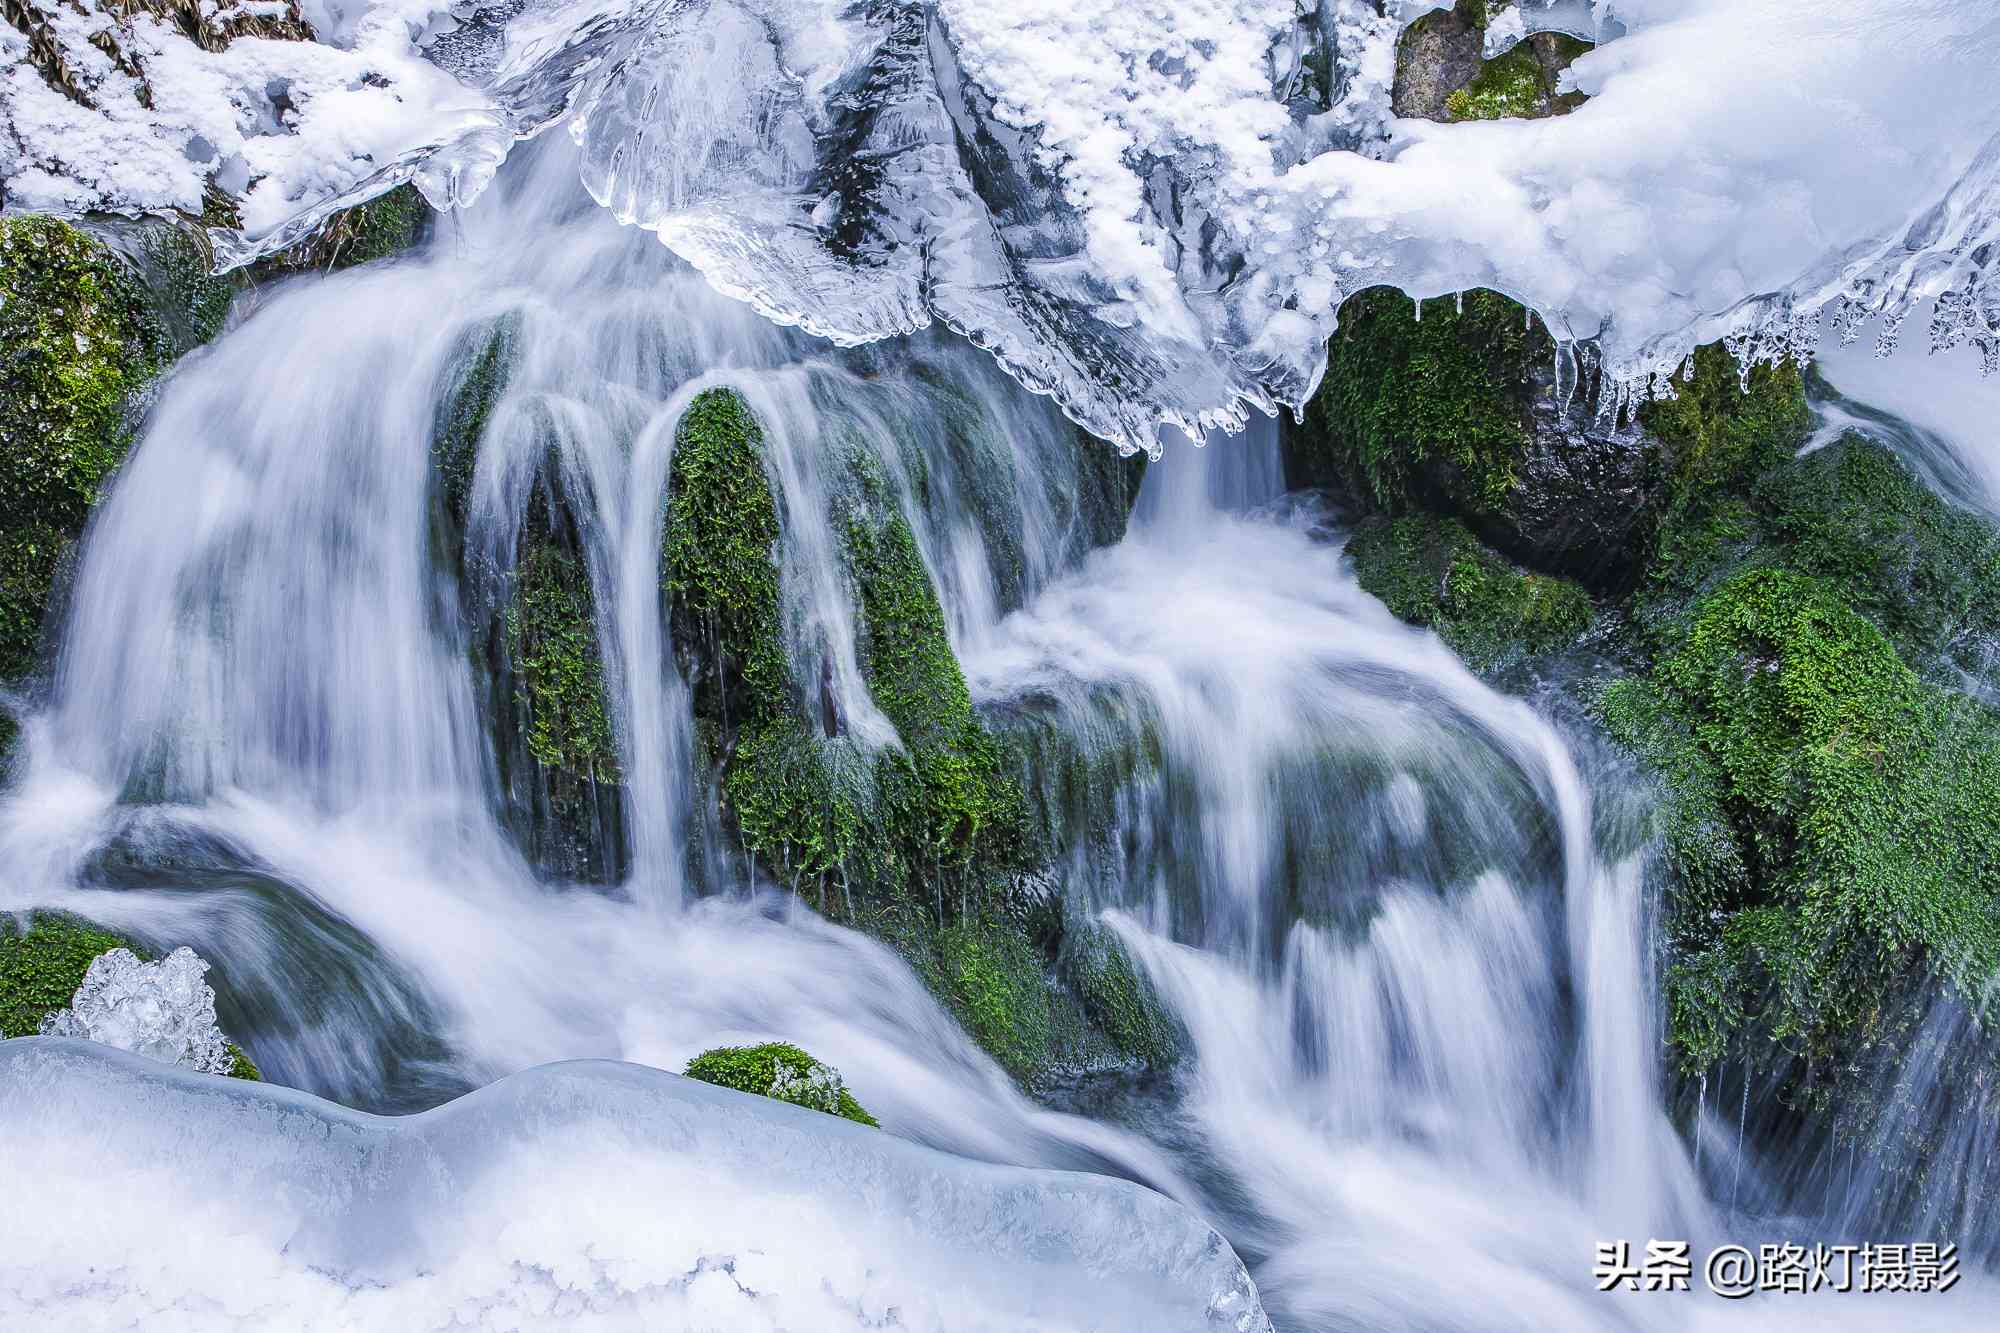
[721,560]
[193,301]
[801,804]
[1711,869]
[995,984]
[473,387]
[1117,998]
[1520,82]
[1511,84]
[79,340]
[1866,804]
[950,800]
[1429,410]
[782,1072]
[384,226]
[559,676]
[1433,571]
[1925,571]
[42,965]
[1722,428]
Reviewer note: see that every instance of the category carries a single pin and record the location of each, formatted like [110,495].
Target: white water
[1423,1072]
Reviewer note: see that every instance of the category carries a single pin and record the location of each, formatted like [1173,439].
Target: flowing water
[1404,919]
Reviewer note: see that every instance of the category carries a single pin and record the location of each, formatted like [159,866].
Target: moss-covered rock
[782,1072]
[1457,412]
[1432,571]
[551,633]
[1866,806]
[80,339]
[1117,998]
[950,800]
[1441,73]
[42,964]
[381,228]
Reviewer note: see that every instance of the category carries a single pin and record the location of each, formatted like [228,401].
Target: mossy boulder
[1457,412]
[1432,571]
[1049,1001]
[1828,815]
[782,1072]
[80,339]
[44,961]
[1865,807]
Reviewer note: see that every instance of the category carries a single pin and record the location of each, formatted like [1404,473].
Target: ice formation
[590,1195]
[1148,210]
[162,1009]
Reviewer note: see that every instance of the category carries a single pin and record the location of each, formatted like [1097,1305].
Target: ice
[588,1195]
[161,1009]
[1149,211]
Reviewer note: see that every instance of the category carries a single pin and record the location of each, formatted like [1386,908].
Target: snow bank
[590,1194]
[1134,204]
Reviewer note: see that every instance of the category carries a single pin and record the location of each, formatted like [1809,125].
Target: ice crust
[1149,210]
[160,1009]
[590,1194]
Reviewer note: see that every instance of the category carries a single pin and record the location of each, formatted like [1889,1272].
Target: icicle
[1742,1123]
[1566,377]
[1887,336]
[1700,1114]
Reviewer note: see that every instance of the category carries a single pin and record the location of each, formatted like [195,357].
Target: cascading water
[1399,916]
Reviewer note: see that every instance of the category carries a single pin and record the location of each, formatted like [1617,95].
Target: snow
[588,1195]
[161,1009]
[1115,196]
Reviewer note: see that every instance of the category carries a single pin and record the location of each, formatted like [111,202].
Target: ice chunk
[162,1009]
[586,1195]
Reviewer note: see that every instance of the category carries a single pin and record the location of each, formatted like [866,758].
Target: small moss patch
[782,1072]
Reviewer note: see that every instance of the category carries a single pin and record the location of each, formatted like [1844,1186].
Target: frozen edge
[372,1202]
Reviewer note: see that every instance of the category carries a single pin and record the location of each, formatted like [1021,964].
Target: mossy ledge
[782,1072]
[42,964]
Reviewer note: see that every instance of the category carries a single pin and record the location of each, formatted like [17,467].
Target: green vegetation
[782,1072]
[805,800]
[80,340]
[1520,82]
[551,633]
[949,802]
[994,981]
[1116,998]
[1830,816]
[1866,804]
[42,965]
[384,226]
[477,379]
[1432,571]
[1427,412]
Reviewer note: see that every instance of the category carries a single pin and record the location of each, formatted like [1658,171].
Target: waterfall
[1415,979]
